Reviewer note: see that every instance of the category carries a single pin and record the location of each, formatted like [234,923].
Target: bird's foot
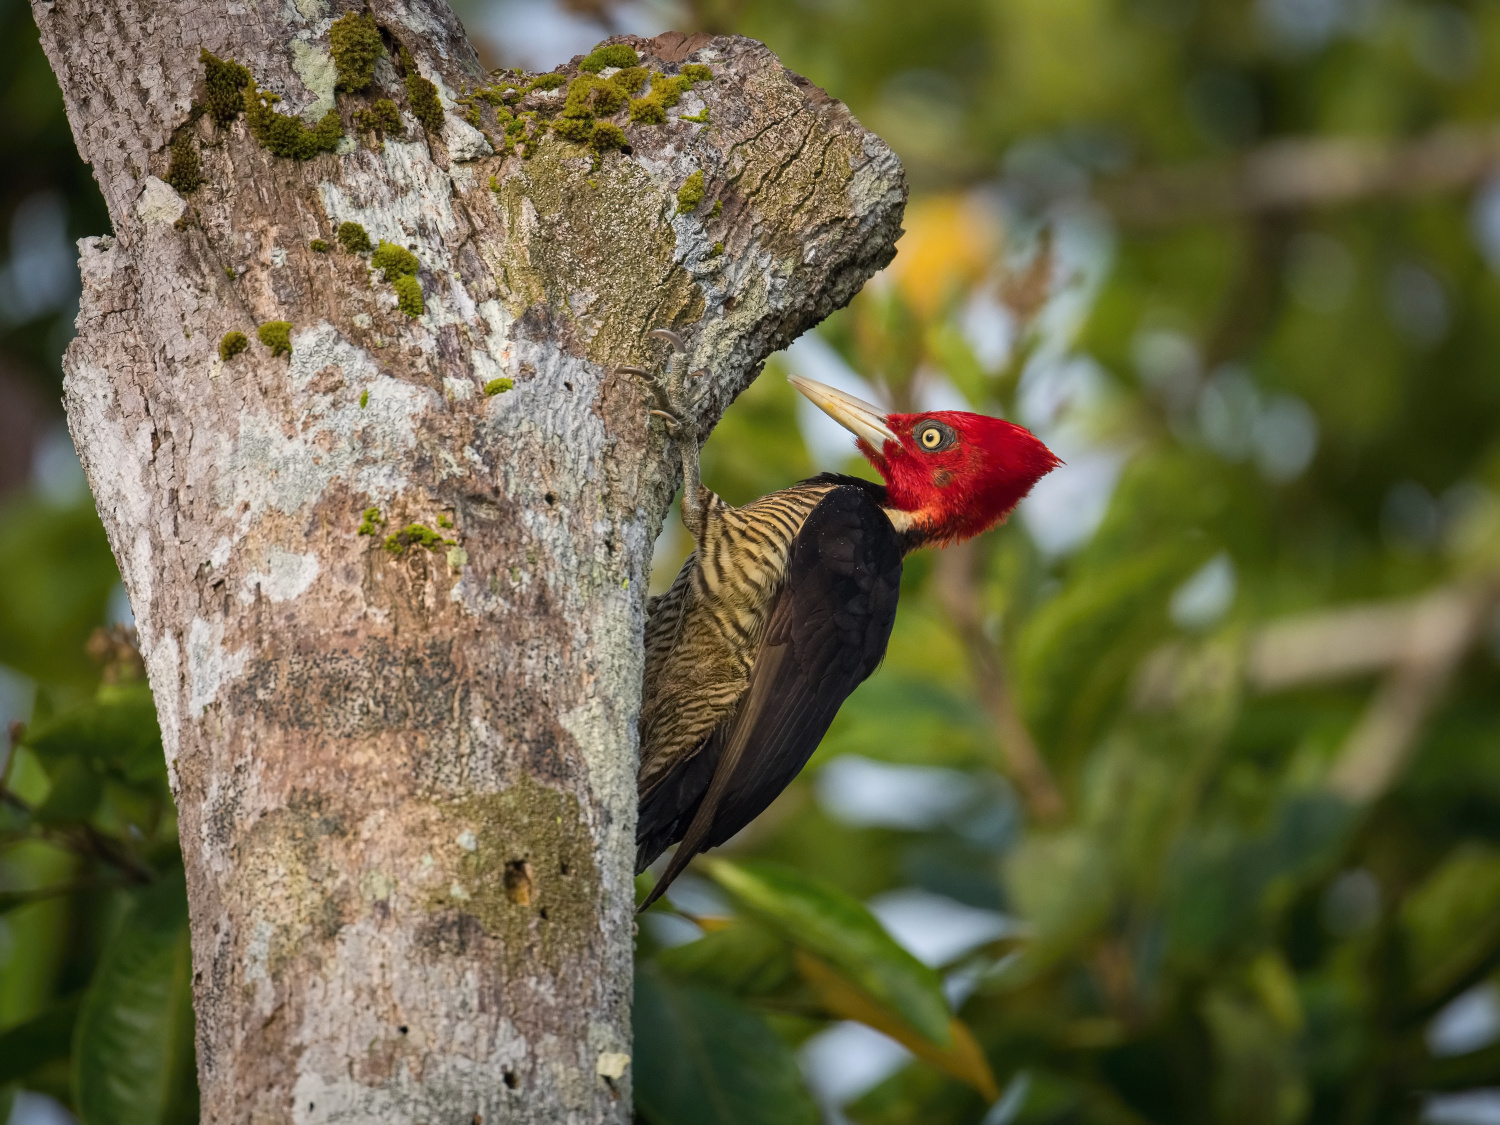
[669,387]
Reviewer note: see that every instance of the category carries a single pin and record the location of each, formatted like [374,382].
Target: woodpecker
[786,604]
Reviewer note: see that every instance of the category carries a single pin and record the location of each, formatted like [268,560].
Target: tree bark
[405,773]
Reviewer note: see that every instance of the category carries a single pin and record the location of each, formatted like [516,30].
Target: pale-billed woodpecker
[786,605]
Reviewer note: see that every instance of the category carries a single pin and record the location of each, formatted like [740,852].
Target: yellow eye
[931,438]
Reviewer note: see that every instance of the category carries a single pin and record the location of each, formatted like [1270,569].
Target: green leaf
[839,929]
[7,1102]
[58,574]
[744,958]
[1452,921]
[117,728]
[133,1058]
[702,1059]
[44,1038]
[74,795]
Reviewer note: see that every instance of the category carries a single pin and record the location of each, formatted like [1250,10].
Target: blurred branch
[1296,174]
[1418,644]
[958,591]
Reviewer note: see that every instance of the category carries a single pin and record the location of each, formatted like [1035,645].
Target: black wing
[827,633]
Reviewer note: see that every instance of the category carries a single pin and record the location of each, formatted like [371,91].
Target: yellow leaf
[963,1060]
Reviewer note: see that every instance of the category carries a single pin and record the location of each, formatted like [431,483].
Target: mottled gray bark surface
[405,775]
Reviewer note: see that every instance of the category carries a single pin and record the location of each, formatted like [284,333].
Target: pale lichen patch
[318,73]
[209,665]
[159,204]
[287,575]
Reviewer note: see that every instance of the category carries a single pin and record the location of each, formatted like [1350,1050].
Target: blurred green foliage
[1278,411]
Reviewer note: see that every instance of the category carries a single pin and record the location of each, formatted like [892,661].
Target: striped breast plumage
[703,632]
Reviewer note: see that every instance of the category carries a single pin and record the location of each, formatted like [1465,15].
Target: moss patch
[353,238]
[607,138]
[285,135]
[416,535]
[371,520]
[382,117]
[422,95]
[276,335]
[530,880]
[409,295]
[498,386]
[394,261]
[318,246]
[611,54]
[355,45]
[185,173]
[232,344]
[647,111]
[696,72]
[631,79]
[690,194]
[224,80]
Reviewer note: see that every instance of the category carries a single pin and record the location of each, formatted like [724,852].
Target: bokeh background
[1177,799]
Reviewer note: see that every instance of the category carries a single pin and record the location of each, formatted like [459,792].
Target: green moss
[690,194]
[718,209]
[422,95]
[382,117]
[224,79]
[696,72]
[318,246]
[609,99]
[353,238]
[631,79]
[696,118]
[668,90]
[579,130]
[185,173]
[494,184]
[647,111]
[355,45]
[416,535]
[232,344]
[531,881]
[607,138]
[276,335]
[546,82]
[498,386]
[445,520]
[229,273]
[364,399]
[613,54]
[286,135]
[395,261]
[409,295]
[371,519]
[717,250]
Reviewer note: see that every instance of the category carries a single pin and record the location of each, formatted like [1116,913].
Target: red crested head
[949,475]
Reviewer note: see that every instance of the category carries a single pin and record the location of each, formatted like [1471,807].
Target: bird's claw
[669,387]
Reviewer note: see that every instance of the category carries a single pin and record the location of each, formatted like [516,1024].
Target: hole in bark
[543,913]
[564,868]
[402,1030]
[568,385]
[511,1081]
[550,498]
[518,878]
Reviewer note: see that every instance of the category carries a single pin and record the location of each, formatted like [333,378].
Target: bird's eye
[934,436]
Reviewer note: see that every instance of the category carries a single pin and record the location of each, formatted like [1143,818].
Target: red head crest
[951,473]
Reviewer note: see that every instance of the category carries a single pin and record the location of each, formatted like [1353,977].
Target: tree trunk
[404,762]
